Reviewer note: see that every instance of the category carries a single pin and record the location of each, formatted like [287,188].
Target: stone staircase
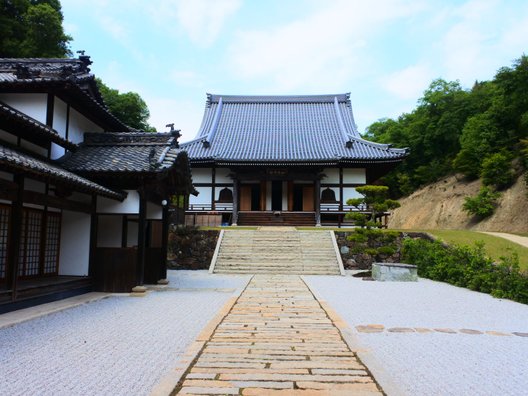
[276,250]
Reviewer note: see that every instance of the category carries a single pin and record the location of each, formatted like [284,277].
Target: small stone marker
[520,334]
[448,331]
[470,331]
[344,249]
[394,272]
[401,330]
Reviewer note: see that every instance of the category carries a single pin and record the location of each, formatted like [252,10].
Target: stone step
[277,250]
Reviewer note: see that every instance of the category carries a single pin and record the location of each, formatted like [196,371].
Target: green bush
[483,205]
[468,267]
[359,219]
[497,171]
[387,250]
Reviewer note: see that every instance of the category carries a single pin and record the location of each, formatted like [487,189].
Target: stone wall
[361,255]
[191,248]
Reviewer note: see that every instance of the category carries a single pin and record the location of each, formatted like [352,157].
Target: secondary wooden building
[281,160]
[81,194]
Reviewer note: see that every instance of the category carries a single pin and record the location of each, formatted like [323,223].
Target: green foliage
[483,204]
[359,219]
[497,170]
[32,28]
[129,107]
[386,250]
[355,202]
[454,129]
[468,267]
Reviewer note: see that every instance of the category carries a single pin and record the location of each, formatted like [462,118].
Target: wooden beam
[142,237]
[164,241]
[36,198]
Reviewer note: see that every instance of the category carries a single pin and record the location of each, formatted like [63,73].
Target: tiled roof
[283,129]
[21,120]
[125,152]
[16,161]
[72,75]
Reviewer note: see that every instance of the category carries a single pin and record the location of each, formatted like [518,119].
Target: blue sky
[385,52]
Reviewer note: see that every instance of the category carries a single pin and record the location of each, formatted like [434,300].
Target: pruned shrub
[468,267]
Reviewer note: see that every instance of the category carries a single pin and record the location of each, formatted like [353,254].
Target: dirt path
[521,240]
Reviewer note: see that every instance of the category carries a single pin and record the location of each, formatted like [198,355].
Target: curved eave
[17,119]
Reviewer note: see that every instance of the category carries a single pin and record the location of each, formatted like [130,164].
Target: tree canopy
[459,130]
[129,107]
[32,28]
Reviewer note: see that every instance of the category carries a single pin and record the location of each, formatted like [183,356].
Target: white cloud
[185,115]
[408,83]
[322,50]
[201,20]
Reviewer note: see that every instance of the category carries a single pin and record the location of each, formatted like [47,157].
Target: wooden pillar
[263,195]
[164,243]
[340,189]
[15,236]
[213,188]
[236,186]
[290,196]
[317,191]
[142,237]
[93,237]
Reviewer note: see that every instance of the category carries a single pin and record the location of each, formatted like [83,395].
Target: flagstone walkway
[277,340]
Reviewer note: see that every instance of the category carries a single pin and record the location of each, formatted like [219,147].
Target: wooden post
[213,188]
[317,203]
[235,202]
[340,189]
[14,242]
[142,237]
[164,242]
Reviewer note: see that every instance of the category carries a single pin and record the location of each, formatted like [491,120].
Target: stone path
[521,240]
[277,340]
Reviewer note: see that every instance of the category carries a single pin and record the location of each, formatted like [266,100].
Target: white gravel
[433,363]
[115,346]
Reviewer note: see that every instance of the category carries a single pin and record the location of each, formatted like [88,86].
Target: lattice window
[5,212]
[51,249]
[32,234]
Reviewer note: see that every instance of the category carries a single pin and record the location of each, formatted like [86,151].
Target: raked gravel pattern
[433,363]
[116,346]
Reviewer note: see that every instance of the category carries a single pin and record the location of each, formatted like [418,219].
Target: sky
[384,52]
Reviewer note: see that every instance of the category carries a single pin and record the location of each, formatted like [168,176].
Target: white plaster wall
[354,175]
[80,124]
[34,148]
[221,175]
[60,116]
[109,230]
[350,192]
[32,104]
[34,185]
[129,206]
[154,212]
[332,175]
[75,244]
[204,196]
[57,151]
[202,175]
[8,137]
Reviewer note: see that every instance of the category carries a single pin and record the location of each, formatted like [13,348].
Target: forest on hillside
[478,132]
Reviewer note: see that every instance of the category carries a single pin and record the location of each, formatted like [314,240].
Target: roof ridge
[321,98]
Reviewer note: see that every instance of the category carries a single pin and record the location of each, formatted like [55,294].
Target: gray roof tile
[283,129]
[124,152]
[17,161]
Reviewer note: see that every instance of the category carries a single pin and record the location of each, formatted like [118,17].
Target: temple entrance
[276,195]
[250,197]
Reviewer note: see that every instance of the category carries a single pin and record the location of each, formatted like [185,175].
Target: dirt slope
[439,205]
